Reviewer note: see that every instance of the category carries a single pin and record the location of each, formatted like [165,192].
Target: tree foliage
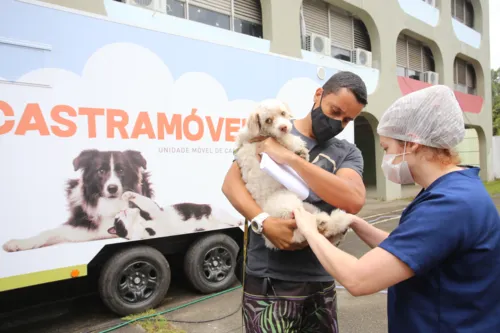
[495,91]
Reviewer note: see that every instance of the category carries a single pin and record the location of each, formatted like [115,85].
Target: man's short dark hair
[347,80]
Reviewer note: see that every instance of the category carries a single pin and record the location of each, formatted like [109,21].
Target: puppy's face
[129,224]
[271,118]
[109,173]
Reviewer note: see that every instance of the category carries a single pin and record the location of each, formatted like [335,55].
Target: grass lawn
[493,187]
[156,324]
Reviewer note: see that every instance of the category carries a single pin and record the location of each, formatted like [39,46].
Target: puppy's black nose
[112,189]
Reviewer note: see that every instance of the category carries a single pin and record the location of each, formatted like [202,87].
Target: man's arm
[344,190]
[278,231]
[236,192]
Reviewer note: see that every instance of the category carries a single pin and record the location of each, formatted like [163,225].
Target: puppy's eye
[101,171]
[119,170]
[269,120]
[283,113]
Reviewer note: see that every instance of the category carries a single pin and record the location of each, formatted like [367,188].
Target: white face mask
[397,173]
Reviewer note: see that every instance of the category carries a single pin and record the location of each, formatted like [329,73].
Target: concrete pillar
[281,25]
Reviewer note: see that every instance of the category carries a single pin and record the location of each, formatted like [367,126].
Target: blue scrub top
[450,237]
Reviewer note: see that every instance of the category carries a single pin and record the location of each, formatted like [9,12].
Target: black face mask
[324,128]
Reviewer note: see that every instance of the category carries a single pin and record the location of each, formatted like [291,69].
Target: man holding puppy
[288,289]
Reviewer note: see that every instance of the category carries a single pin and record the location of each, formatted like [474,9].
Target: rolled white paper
[285,175]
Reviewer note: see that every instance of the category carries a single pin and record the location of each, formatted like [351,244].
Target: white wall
[495,151]
[469,148]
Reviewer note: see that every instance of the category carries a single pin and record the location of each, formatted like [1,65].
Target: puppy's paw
[128,196]
[15,245]
[303,153]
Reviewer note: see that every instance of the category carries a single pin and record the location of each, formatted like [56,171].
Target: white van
[116,133]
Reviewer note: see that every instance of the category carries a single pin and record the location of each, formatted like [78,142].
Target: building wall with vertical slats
[401,53]
[459,10]
[248,10]
[221,6]
[460,69]
[361,36]
[469,15]
[316,17]
[344,31]
[341,30]
[470,76]
[414,56]
[427,60]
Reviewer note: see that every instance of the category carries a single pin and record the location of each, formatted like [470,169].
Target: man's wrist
[292,159]
[257,223]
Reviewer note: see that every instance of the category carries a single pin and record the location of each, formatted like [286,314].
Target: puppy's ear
[84,159]
[112,231]
[136,158]
[288,110]
[253,123]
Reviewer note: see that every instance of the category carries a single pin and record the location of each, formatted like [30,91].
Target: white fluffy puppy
[272,118]
[147,220]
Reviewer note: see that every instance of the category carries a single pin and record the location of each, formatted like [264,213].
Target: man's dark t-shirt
[302,265]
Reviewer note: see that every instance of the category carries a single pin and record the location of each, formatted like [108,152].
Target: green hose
[170,310]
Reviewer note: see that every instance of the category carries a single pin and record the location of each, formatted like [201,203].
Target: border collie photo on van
[114,197]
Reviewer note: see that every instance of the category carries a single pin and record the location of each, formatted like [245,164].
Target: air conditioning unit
[431,77]
[361,57]
[155,5]
[319,44]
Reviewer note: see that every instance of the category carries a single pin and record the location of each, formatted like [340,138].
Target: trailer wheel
[134,280]
[210,263]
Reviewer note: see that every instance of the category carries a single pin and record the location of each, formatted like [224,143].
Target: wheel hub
[139,282]
[217,264]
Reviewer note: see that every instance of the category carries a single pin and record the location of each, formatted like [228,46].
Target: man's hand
[280,233]
[277,152]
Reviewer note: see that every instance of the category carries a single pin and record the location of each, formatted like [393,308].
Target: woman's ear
[412,147]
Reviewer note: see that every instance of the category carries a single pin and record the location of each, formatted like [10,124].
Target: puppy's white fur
[165,222]
[272,118]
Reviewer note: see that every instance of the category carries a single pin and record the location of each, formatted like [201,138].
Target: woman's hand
[306,222]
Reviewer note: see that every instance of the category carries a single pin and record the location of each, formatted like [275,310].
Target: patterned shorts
[276,306]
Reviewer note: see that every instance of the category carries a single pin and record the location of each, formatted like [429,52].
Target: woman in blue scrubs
[442,263]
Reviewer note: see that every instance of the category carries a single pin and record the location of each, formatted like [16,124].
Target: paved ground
[88,315]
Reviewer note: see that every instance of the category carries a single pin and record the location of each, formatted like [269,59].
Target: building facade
[403,45]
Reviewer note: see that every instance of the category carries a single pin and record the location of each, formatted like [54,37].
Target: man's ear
[317,95]
[253,123]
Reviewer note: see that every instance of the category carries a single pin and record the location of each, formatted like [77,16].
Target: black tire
[203,274]
[134,280]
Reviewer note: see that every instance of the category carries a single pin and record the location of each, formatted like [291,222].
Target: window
[464,77]
[247,28]
[341,54]
[413,58]
[400,71]
[210,17]
[243,16]
[176,8]
[345,32]
[463,11]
